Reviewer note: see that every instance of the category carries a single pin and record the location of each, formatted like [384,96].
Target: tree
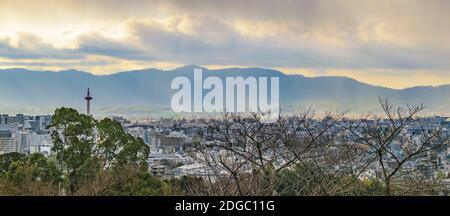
[301,154]
[247,155]
[388,149]
[84,147]
[34,168]
[118,148]
[73,141]
[7,159]
[126,181]
[31,175]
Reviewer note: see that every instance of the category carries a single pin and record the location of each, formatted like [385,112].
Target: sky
[396,44]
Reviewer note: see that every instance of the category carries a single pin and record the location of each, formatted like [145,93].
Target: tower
[88,99]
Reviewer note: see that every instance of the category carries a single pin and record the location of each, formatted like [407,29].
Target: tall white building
[23,142]
[41,143]
[7,142]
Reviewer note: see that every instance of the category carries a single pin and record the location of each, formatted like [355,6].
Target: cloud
[393,78]
[26,45]
[321,34]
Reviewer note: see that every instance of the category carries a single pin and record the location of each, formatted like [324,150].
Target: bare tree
[247,156]
[398,146]
[303,154]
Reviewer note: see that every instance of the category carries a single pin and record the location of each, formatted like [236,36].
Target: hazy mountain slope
[35,91]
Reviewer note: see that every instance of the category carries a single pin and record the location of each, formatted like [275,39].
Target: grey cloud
[96,44]
[404,34]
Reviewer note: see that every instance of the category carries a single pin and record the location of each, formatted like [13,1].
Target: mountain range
[147,92]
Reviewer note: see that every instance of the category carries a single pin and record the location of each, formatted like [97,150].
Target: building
[7,142]
[160,171]
[88,99]
[23,142]
[155,143]
[3,119]
[41,143]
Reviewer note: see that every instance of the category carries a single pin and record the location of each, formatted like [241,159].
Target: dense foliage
[108,162]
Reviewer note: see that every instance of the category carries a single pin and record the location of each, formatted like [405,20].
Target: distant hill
[144,92]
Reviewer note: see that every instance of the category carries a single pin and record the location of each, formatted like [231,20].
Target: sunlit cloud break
[372,41]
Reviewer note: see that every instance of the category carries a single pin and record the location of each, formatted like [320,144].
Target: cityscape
[244,105]
[177,147]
